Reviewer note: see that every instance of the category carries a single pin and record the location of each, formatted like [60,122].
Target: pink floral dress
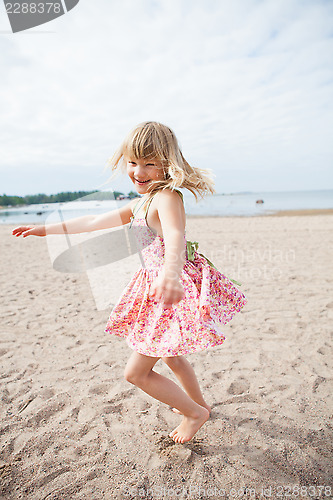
[210,301]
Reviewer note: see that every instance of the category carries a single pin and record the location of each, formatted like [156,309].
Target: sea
[225,205]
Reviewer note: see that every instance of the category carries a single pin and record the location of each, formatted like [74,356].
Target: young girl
[177,303]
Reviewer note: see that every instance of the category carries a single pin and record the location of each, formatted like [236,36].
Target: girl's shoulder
[173,198]
[171,206]
[170,192]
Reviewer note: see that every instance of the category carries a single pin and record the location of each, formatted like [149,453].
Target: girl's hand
[29,231]
[167,288]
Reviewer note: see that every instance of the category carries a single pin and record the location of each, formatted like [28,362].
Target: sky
[246,85]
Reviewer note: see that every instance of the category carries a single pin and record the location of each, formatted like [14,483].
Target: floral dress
[210,301]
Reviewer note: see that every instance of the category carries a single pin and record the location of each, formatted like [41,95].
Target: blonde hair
[154,141]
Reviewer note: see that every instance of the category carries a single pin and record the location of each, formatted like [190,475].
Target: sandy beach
[73,428]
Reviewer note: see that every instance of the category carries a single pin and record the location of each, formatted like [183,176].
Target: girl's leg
[139,372]
[186,376]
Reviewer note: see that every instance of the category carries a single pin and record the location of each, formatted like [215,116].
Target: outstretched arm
[84,224]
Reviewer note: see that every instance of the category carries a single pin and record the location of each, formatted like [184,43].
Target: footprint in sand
[51,408]
[100,389]
[238,387]
[86,414]
[83,413]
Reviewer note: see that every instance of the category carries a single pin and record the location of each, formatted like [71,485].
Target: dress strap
[146,209]
[137,203]
[180,194]
[135,212]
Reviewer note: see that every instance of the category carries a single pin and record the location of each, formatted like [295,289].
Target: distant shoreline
[305,211]
[278,213]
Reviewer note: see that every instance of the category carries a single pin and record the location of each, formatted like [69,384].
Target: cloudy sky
[247,86]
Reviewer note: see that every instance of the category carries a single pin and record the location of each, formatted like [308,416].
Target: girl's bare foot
[189,426]
[180,413]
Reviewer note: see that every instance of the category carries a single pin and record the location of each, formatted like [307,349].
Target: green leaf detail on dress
[192,247]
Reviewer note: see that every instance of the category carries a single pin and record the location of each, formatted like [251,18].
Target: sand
[73,428]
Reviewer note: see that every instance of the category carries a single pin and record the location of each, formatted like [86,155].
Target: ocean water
[239,204]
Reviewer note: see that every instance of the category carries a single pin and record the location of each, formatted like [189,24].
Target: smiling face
[143,171]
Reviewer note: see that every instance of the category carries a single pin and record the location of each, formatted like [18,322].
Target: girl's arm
[84,224]
[172,217]
[115,218]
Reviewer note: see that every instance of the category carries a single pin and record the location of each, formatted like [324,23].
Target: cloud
[247,87]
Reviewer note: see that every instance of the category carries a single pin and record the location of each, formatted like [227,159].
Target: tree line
[32,199]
